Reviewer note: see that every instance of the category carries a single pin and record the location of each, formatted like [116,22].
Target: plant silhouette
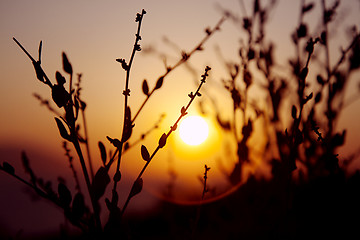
[309,193]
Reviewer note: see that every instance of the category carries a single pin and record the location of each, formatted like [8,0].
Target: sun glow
[193,130]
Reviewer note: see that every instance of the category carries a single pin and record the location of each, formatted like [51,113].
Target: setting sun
[194,130]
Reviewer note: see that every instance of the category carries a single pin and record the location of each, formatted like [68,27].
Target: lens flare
[193,130]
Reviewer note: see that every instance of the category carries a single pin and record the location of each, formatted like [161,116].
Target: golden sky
[94,34]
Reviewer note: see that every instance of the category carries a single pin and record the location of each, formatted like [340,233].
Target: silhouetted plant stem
[344,52]
[143,104]
[127,124]
[198,210]
[331,71]
[205,190]
[112,159]
[185,57]
[94,203]
[128,145]
[45,195]
[47,104]
[137,186]
[70,158]
[81,107]
[119,150]
[135,48]
[36,63]
[36,189]
[327,67]
[69,119]
[87,145]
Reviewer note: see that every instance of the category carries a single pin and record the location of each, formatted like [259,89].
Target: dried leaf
[320,80]
[116,142]
[208,31]
[308,98]
[173,128]
[60,95]
[28,169]
[40,49]
[102,152]
[145,88]
[307,8]
[8,168]
[183,111]
[145,153]
[128,125]
[66,64]
[63,132]
[123,63]
[60,78]
[100,182]
[39,72]
[302,31]
[137,187]
[138,17]
[159,83]
[162,140]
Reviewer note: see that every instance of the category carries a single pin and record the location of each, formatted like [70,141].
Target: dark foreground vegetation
[322,201]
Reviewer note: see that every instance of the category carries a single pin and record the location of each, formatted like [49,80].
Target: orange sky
[94,34]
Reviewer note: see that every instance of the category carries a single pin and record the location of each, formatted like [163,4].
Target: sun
[193,130]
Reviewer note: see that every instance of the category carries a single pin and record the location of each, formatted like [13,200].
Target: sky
[95,33]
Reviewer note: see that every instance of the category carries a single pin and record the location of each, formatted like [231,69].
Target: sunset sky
[95,33]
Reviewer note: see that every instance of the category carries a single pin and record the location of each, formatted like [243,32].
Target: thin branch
[185,57]
[164,137]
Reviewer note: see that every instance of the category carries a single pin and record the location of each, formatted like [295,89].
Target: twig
[137,186]
[185,57]
[127,124]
